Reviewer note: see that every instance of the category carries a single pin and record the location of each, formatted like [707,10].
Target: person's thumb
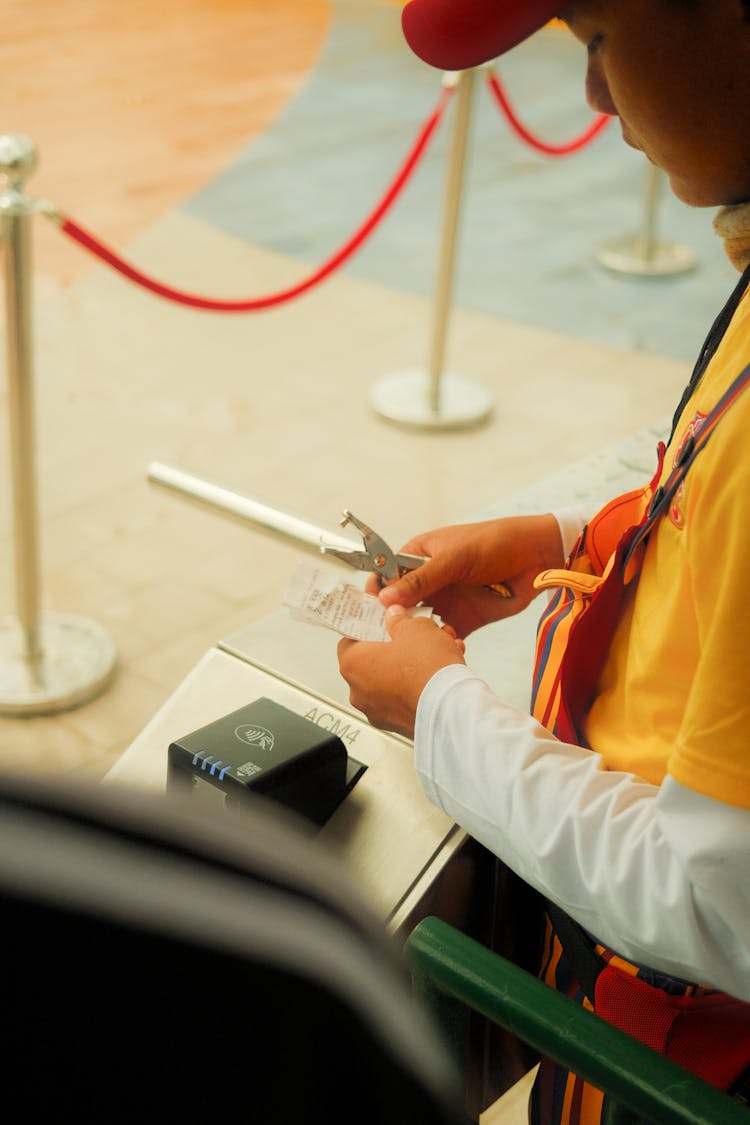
[414,586]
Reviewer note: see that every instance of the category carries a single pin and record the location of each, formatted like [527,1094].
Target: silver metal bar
[653,184]
[49,662]
[645,254]
[19,161]
[432,398]
[453,199]
[274,521]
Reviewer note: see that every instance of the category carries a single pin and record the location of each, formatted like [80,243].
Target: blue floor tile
[531,224]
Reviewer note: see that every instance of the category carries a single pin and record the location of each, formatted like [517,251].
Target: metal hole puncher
[374,554]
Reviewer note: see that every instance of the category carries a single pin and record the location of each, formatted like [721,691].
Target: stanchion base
[662,259]
[77,662]
[404,398]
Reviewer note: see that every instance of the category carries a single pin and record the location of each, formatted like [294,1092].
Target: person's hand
[466,559]
[386,678]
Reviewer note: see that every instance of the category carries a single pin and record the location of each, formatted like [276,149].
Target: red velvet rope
[577,143]
[113,259]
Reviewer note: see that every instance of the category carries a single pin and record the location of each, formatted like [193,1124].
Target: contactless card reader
[267,749]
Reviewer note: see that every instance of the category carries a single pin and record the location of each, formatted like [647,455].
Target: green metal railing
[641,1085]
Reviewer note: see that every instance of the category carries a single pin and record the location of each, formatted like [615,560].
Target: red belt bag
[702,1029]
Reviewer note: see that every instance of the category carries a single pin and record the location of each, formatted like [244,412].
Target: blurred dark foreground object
[163,963]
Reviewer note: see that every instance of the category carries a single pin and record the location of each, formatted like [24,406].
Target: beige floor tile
[107,723]
[275,406]
[512,1107]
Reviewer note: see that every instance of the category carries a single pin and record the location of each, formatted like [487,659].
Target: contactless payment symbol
[255,736]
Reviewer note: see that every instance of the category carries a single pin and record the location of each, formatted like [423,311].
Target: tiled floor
[276,404]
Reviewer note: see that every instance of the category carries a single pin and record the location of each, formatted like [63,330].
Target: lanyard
[711,343]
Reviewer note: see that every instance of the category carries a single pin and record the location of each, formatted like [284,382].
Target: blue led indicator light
[205,761]
[215,766]
[221,775]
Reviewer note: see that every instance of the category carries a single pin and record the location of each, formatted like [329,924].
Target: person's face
[677,74]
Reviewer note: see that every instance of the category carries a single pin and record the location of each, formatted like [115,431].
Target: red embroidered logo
[676,512]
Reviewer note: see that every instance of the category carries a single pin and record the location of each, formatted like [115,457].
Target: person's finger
[344,646]
[460,644]
[416,585]
[395,616]
[373,584]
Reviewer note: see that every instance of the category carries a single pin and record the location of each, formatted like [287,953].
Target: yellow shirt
[675,691]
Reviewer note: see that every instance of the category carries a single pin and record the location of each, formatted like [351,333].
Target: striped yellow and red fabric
[567,635]
[703,1029]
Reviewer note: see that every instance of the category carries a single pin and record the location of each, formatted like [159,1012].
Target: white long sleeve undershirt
[659,873]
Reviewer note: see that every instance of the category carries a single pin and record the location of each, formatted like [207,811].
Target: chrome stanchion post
[434,399]
[644,254]
[17,265]
[57,662]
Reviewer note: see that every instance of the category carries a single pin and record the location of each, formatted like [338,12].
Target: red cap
[460,34]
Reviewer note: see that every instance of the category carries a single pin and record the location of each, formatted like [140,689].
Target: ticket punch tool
[374,554]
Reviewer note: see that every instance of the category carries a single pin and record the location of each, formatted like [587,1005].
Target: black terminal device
[264,748]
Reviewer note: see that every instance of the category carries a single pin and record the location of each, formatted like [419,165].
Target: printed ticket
[318,596]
